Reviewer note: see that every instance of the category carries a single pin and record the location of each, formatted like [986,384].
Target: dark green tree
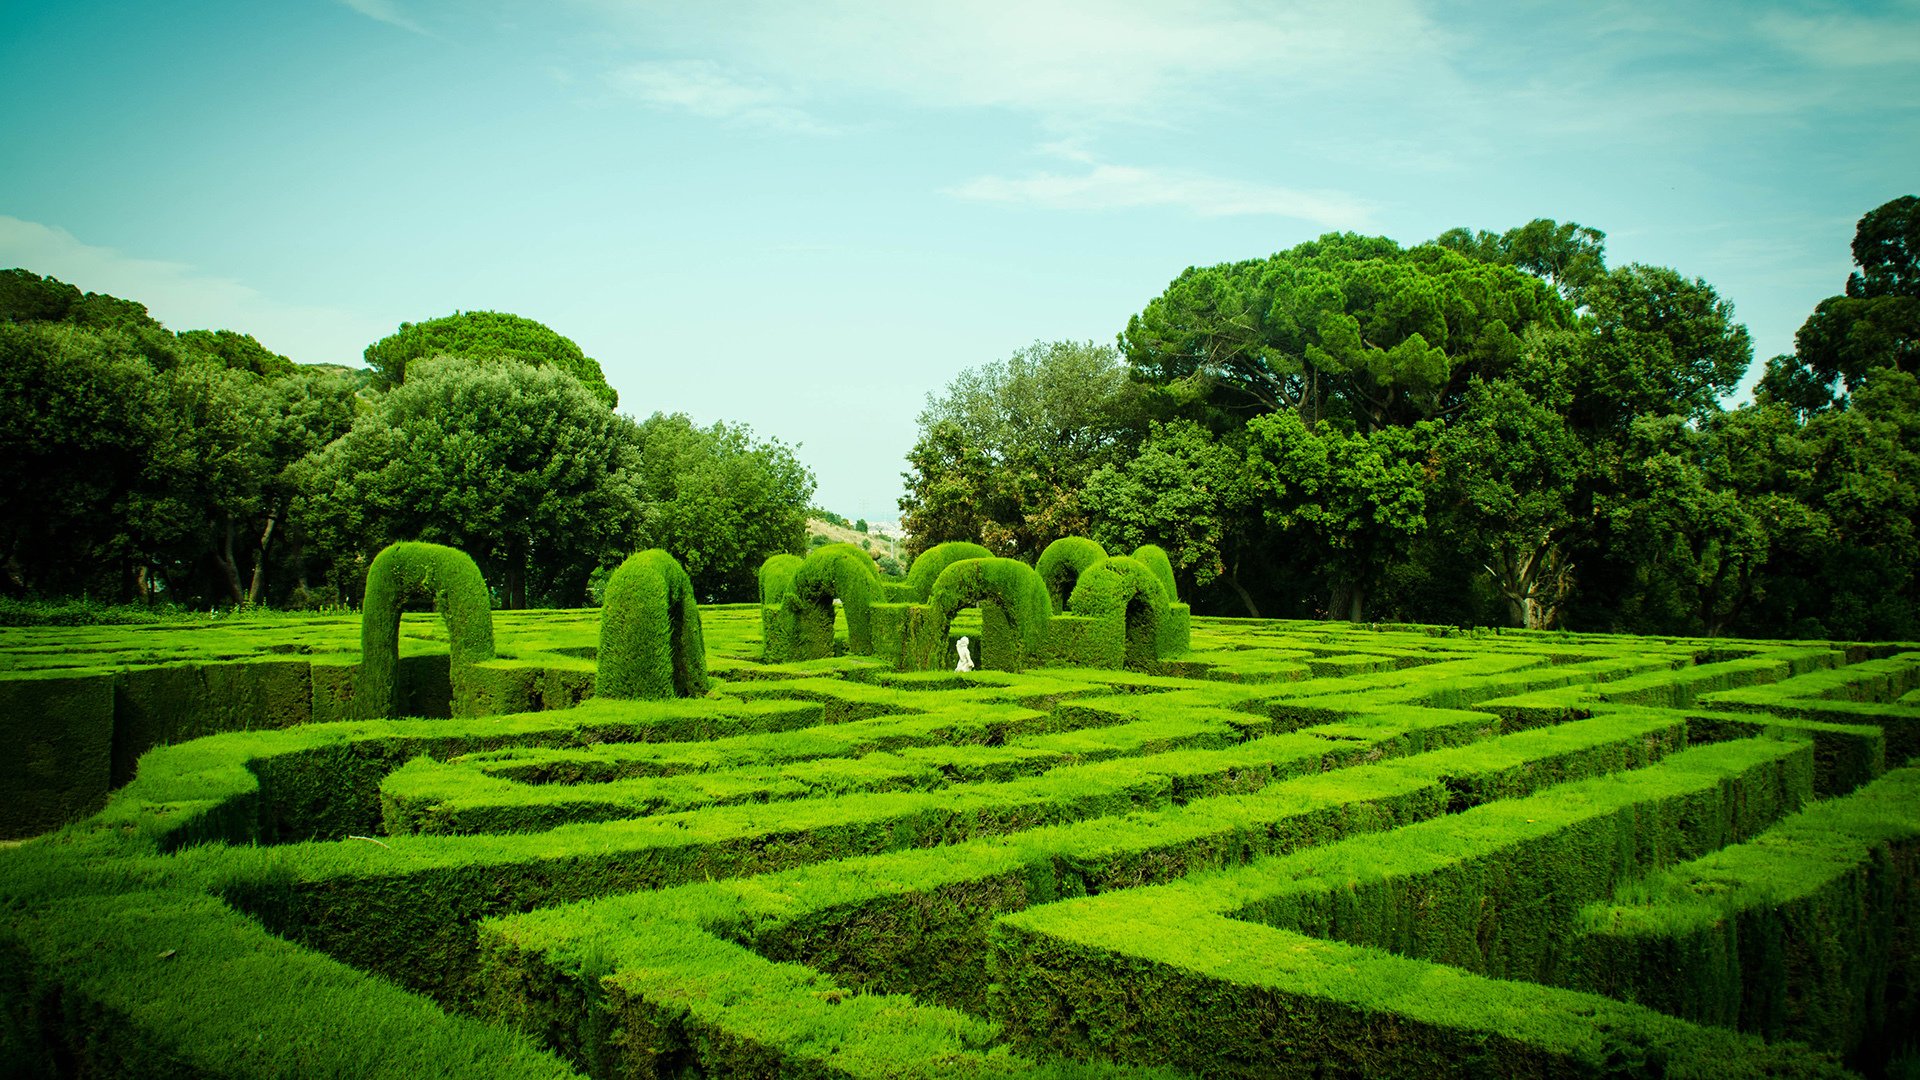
[1347,328]
[487,337]
[1874,325]
[520,466]
[75,427]
[1570,256]
[235,350]
[302,412]
[1511,476]
[1356,500]
[720,501]
[1004,454]
[26,297]
[1655,343]
[1187,491]
[1864,580]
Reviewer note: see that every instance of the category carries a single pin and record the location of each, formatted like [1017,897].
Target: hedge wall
[407,571]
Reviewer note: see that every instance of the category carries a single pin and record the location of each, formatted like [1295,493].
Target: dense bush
[651,644]
[839,572]
[417,571]
[1014,606]
[1060,566]
[932,562]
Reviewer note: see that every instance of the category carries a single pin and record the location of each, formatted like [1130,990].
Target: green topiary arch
[777,622]
[934,561]
[1125,589]
[1154,558]
[1013,607]
[651,645]
[832,572]
[414,570]
[1060,566]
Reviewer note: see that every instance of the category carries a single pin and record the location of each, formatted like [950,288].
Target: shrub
[776,617]
[1154,557]
[1014,607]
[834,572]
[933,561]
[650,640]
[1061,563]
[414,570]
[1125,590]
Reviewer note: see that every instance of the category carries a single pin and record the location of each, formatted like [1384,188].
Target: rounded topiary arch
[651,645]
[776,617]
[1005,589]
[414,570]
[1126,588]
[934,561]
[776,577]
[1154,558]
[1060,566]
[832,572]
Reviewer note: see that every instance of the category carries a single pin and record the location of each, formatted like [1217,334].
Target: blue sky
[807,217]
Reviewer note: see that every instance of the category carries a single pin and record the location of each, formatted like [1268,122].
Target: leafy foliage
[1004,454]
[413,571]
[487,337]
[651,645]
[1874,325]
[719,500]
[521,467]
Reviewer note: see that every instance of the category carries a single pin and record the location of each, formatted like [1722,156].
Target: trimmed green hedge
[59,738]
[778,624]
[1154,558]
[1060,566]
[1013,605]
[934,561]
[1170,975]
[650,640]
[412,570]
[1806,932]
[828,867]
[832,572]
[1128,592]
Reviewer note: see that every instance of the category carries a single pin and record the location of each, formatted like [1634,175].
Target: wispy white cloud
[703,88]
[1848,39]
[184,298]
[1113,187]
[1068,62]
[388,12]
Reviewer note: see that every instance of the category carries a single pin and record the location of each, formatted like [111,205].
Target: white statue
[966,658]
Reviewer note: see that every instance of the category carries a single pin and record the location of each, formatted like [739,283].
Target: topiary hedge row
[908,625]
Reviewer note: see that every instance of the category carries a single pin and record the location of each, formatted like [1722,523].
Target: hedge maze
[665,841]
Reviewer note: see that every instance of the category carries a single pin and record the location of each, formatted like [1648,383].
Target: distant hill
[874,543]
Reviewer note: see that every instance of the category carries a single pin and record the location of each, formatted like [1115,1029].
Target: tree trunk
[258,586]
[1530,583]
[1246,598]
[1357,605]
[516,590]
[223,558]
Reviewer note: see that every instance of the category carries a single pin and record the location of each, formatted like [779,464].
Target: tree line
[203,469]
[1487,428]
